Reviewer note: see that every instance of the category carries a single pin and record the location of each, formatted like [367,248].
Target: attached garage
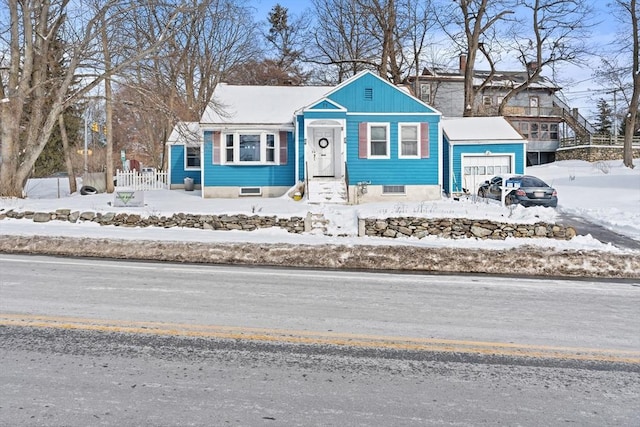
[478,148]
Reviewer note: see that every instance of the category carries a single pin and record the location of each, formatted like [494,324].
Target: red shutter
[284,147]
[363,140]
[424,140]
[216,147]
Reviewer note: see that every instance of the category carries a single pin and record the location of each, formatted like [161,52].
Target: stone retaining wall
[453,228]
[205,222]
[593,153]
[458,228]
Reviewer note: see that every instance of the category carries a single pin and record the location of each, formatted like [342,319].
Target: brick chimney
[463,63]
[532,66]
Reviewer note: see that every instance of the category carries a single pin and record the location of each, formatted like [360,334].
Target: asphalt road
[94,342]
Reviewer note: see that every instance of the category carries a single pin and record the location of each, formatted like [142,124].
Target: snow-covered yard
[606,193]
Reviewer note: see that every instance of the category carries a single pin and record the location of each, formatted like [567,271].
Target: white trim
[359,113]
[186,166]
[418,141]
[487,142]
[387,125]
[250,191]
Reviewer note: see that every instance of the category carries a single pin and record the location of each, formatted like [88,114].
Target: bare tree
[383,35]
[472,26]
[340,40]
[630,15]
[26,84]
[558,32]
[177,83]
[620,71]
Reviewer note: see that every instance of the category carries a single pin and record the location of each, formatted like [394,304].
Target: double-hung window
[250,147]
[379,140]
[409,137]
[192,158]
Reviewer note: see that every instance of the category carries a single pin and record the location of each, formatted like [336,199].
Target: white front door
[323,153]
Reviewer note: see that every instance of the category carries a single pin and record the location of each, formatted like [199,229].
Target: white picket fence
[141,181]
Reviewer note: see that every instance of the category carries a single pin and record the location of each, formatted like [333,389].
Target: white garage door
[478,169]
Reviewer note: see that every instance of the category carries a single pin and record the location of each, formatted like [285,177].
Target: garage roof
[480,129]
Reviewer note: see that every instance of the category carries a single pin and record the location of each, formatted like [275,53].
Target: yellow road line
[326,338]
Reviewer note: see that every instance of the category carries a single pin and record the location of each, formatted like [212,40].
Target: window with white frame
[487,101]
[379,140]
[192,157]
[409,136]
[250,147]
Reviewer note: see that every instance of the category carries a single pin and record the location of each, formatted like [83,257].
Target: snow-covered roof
[480,129]
[185,133]
[268,105]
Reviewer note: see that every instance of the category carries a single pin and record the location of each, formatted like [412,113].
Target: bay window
[250,147]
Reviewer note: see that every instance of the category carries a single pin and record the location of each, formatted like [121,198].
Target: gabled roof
[501,79]
[252,105]
[185,133]
[276,105]
[480,129]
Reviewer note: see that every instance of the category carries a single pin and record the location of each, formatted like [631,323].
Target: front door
[323,153]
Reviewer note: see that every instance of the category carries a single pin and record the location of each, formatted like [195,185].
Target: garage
[475,149]
[478,169]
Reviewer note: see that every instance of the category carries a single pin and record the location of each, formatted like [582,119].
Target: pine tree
[604,122]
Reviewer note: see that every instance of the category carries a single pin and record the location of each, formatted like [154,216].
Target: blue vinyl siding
[460,150]
[446,169]
[385,97]
[248,176]
[301,137]
[393,171]
[178,173]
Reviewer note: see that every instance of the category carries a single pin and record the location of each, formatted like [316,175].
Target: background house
[537,113]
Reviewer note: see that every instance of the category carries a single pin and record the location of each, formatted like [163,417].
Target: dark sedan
[526,190]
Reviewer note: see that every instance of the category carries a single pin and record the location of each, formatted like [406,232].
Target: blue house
[361,141]
[478,148]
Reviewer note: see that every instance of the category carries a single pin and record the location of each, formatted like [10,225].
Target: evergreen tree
[604,122]
[285,38]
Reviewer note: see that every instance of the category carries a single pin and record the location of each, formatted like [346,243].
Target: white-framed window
[378,143]
[425,93]
[192,157]
[409,140]
[487,101]
[250,147]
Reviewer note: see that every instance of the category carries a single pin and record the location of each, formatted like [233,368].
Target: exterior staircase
[327,190]
[581,127]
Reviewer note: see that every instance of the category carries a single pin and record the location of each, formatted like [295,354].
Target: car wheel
[481,193]
[87,190]
[508,201]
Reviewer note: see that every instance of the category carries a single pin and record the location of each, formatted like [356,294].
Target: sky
[579,85]
[606,193]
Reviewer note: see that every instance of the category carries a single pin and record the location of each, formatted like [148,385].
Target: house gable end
[368,93]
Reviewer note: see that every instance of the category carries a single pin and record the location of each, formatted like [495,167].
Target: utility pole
[615,111]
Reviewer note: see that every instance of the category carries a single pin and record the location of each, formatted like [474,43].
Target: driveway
[584,227]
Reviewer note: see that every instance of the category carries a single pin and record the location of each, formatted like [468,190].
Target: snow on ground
[605,193]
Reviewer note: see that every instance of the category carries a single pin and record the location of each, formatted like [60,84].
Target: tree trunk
[632,115]
[67,155]
[108,93]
